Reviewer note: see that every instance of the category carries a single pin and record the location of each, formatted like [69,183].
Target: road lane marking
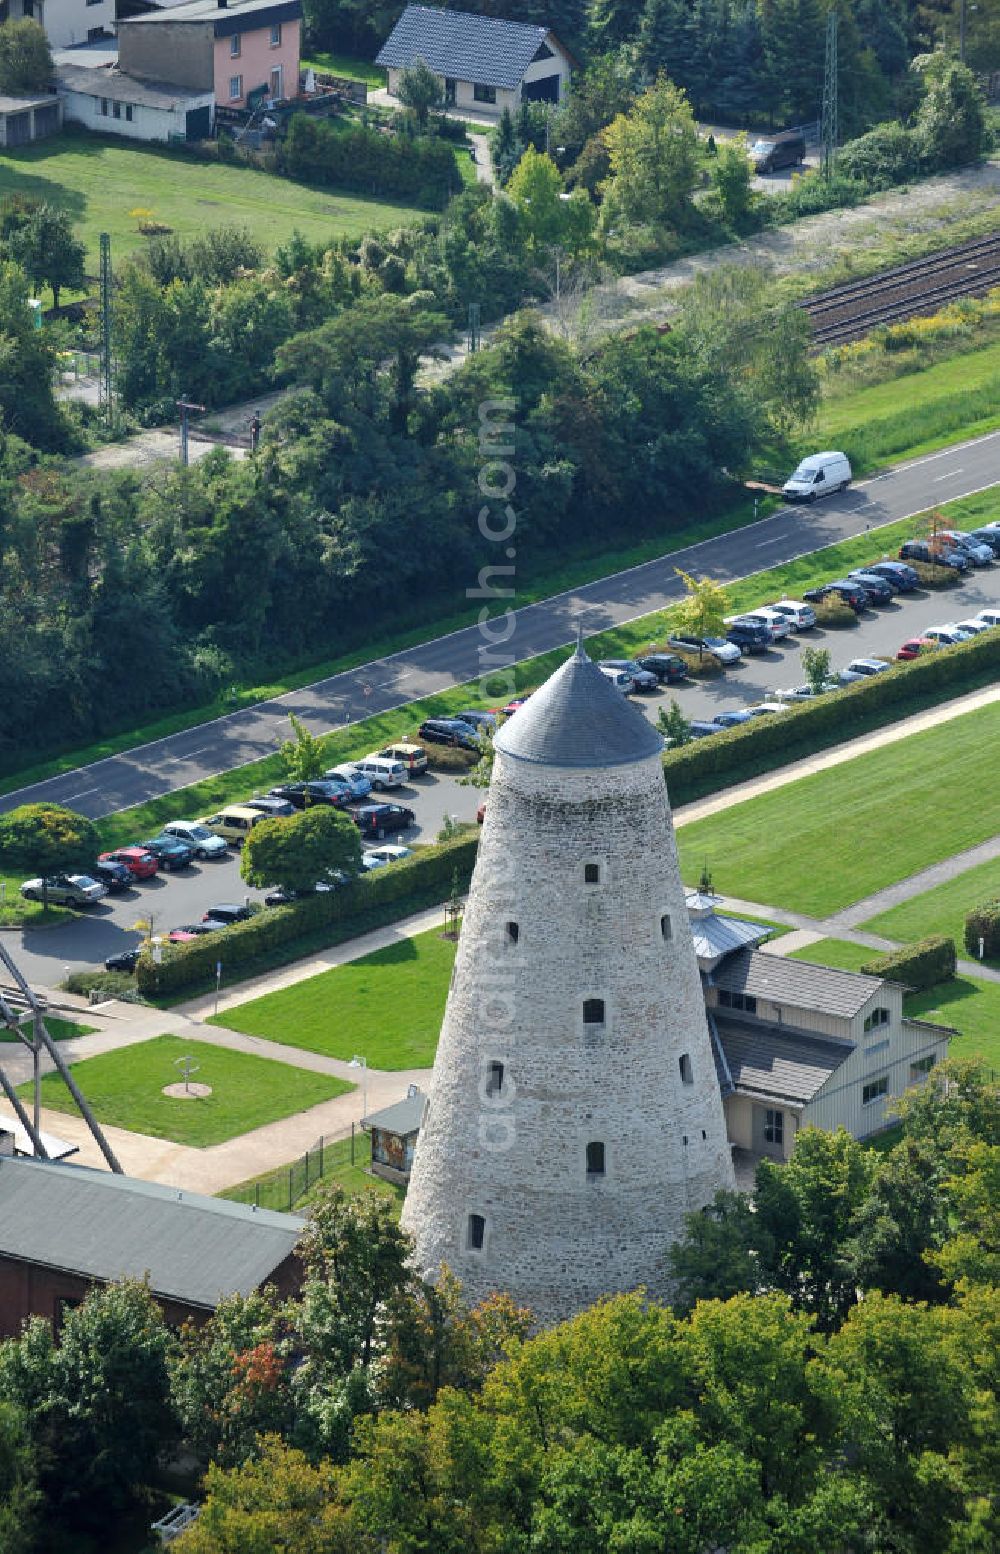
[79,795]
[949,476]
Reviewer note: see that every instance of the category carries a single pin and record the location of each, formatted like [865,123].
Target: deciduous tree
[302,755]
[316,846]
[420,90]
[25,58]
[653,152]
[702,611]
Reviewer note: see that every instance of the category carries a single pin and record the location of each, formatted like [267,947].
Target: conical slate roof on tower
[574,1115]
[579,718]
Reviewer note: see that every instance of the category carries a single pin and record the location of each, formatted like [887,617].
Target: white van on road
[817,476]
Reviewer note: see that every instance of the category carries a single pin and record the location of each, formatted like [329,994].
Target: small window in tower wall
[592,874]
[494,1078]
[687,1073]
[475,1234]
[593,1011]
[665,927]
[513,933]
[595,1160]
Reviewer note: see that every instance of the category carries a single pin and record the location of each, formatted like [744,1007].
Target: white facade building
[484,63]
[67,21]
[116,104]
[575,1114]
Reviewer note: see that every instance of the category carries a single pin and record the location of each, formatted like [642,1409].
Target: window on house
[128,112]
[513,933]
[875,1088]
[276,35]
[687,1072]
[666,927]
[921,1067]
[592,874]
[475,1233]
[877,1018]
[595,1160]
[235,45]
[116,109]
[593,1011]
[494,1078]
[104,107]
[235,88]
[729,1000]
[483,94]
[774,1127]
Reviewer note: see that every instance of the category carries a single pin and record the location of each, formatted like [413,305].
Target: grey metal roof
[194,1249]
[777,1063]
[22,104]
[55,1147]
[402,1117]
[463,46]
[797,983]
[239,16]
[120,88]
[715,936]
[579,719]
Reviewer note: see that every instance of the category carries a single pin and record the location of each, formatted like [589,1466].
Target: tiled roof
[463,46]
[103,1226]
[797,983]
[579,719]
[120,88]
[777,1064]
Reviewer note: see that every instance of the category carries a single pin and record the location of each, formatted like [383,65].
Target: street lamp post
[362,1063]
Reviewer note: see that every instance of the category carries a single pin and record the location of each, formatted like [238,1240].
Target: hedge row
[705,765]
[421,170]
[419,881]
[919,966]
[983,922]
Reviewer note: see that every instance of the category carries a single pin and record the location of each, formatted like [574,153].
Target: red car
[914,646]
[512,706]
[481,812]
[140,864]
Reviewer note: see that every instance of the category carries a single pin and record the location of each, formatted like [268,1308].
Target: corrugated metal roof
[779,1064]
[402,1117]
[120,88]
[715,936]
[798,983]
[195,1249]
[579,719]
[463,46]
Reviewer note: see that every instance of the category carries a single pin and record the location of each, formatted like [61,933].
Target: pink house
[245,52]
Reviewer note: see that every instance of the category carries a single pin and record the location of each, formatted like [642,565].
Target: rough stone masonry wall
[554,1238]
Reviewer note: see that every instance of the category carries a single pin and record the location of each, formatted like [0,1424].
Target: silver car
[65,890]
[358,784]
[642,679]
[205,842]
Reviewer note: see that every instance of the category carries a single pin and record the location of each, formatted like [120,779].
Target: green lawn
[943,909]
[99,180]
[125,1090]
[14,910]
[334,64]
[827,840]
[286,1188]
[387,1006]
[59,1030]
[835,952]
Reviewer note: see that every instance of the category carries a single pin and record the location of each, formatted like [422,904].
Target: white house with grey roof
[112,102]
[484,63]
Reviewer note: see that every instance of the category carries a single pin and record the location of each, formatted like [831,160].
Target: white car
[806,692]
[802,616]
[360,786]
[381,771]
[204,842]
[946,636]
[863,669]
[974,627]
[777,624]
[989,617]
[619,678]
[764,707]
[386,852]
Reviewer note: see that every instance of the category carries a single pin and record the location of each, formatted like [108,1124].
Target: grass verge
[15,912]
[58,1029]
[388,1005]
[330,62]
[288,1189]
[943,909]
[125,1090]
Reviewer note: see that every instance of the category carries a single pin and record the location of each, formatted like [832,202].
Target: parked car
[140,863]
[233,823]
[272,808]
[412,757]
[914,646]
[321,790]
[382,771]
[979,553]
[710,647]
[817,476]
[478,718]
[378,819]
[777,623]
[766,708]
[808,692]
[226,912]
[115,877]
[449,731]
[513,705]
[123,960]
[851,593]
[947,636]
[195,930]
[388,852]
[205,842]
[750,636]
[642,679]
[170,852]
[481,813]
[770,153]
[989,535]
[881,590]
[896,572]
[667,667]
[279,896]
[700,728]
[862,669]
[733,719]
[79,890]
[619,678]
[802,616]
[990,617]
[359,786]
[974,627]
[920,550]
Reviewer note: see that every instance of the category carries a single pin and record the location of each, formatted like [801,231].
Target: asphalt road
[121,781]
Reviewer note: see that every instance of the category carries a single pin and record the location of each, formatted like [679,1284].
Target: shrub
[834,611]
[384,895]
[697,668]
[983,922]
[422,169]
[919,966]
[110,984]
[887,155]
[933,576]
[447,758]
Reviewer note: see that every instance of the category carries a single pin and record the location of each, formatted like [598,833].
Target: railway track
[906,291]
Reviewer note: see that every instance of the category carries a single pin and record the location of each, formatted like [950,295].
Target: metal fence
[285,1188]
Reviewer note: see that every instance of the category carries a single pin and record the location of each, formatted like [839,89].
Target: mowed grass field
[99,180]
[943,909]
[386,1006]
[969,1004]
[125,1090]
[819,844]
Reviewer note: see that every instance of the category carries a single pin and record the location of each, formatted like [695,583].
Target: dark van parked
[772,152]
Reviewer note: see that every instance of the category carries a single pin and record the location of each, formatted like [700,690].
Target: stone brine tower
[574,1114]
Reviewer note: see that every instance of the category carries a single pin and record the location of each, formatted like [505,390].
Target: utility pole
[829,126]
[475,335]
[185,406]
[106,375]
[961,33]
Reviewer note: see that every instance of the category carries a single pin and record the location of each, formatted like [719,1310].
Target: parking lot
[46,955]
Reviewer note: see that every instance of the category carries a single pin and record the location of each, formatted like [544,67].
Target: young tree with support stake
[702,611]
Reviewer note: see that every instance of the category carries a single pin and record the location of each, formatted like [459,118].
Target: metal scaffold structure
[829,128]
